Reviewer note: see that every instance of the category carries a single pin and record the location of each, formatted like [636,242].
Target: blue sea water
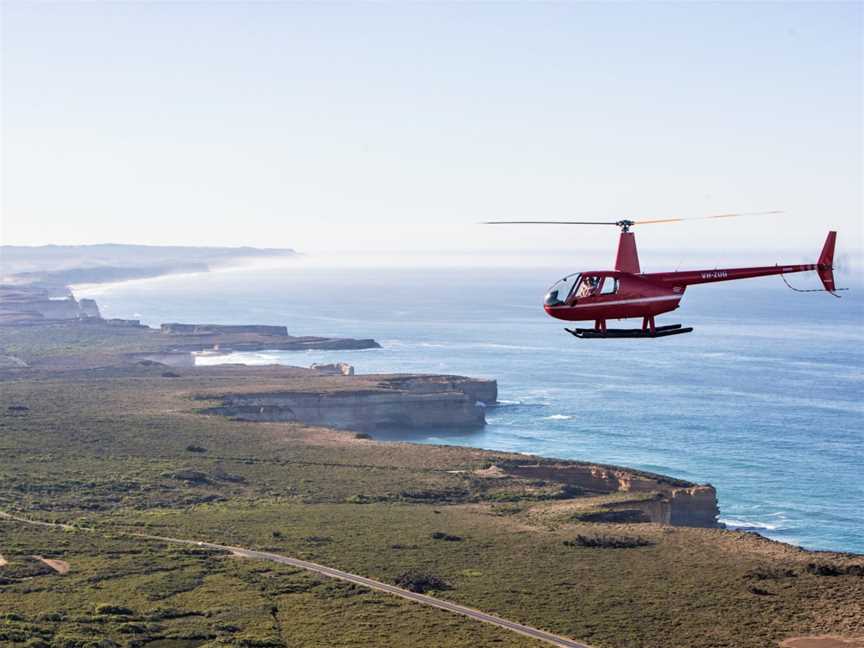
[763,400]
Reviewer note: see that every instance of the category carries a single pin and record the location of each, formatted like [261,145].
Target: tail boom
[824,268]
[691,277]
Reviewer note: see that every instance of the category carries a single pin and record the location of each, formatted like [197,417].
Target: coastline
[120,445]
[759,525]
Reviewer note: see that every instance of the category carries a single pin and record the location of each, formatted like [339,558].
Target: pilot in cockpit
[588,287]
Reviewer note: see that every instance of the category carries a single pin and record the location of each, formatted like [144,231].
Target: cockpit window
[610,286]
[561,293]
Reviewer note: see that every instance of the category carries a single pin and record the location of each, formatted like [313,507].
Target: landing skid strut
[659,331]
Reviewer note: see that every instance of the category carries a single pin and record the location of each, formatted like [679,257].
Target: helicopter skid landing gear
[646,332]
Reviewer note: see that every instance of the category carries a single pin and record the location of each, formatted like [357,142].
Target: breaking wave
[744,525]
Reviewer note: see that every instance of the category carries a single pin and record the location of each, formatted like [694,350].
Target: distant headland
[54,268]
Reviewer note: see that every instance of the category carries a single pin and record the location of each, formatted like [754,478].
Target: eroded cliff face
[211,329]
[480,390]
[25,305]
[369,403]
[694,506]
[669,500]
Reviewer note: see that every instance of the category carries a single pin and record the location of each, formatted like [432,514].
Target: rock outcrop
[371,404]
[174,328]
[89,308]
[334,369]
[23,305]
[181,359]
[116,321]
[671,501]
[479,390]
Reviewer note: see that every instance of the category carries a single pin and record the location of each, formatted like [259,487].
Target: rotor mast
[627,259]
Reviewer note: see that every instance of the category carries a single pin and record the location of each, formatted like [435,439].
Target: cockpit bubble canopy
[562,291]
[577,286]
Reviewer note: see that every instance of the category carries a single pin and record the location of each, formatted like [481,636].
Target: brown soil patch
[3,561]
[492,472]
[59,566]
[822,641]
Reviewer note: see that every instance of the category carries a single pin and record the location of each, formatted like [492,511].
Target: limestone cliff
[479,390]
[370,403]
[27,304]
[210,329]
[333,368]
[657,498]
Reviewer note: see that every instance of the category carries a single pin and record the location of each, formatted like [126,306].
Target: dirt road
[330,572]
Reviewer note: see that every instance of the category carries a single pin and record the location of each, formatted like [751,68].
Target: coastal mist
[763,400]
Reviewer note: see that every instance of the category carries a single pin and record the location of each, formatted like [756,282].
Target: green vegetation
[119,450]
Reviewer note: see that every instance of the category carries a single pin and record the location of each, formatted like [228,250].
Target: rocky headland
[29,311]
[55,267]
[371,403]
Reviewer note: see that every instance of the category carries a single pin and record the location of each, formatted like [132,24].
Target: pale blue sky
[398,126]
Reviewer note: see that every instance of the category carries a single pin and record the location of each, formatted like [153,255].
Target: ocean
[763,400]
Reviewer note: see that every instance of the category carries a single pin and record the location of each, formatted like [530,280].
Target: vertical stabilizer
[627,259]
[825,265]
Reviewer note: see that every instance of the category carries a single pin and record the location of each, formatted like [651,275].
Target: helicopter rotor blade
[629,223]
[676,220]
[549,223]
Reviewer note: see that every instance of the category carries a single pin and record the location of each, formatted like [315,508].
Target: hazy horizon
[398,127]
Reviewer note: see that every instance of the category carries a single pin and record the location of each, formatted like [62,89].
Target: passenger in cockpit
[588,287]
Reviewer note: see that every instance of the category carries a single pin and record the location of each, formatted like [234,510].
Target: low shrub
[621,516]
[758,591]
[191,476]
[420,582]
[118,610]
[770,573]
[133,628]
[831,569]
[608,542]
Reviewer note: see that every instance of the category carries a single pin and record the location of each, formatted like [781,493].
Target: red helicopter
[626,292]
